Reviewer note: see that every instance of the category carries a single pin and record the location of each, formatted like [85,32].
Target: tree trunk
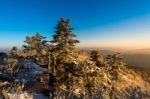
[51,84]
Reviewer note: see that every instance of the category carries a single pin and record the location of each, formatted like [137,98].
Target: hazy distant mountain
[139,51]
[108,52]
[6,50]
[138,58]
[2,56]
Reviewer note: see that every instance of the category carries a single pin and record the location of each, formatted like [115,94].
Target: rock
[26,95]
[28,71]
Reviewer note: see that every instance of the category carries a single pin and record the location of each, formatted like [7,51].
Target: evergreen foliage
[63,57]
[97,58]
[37,48]
[64,41]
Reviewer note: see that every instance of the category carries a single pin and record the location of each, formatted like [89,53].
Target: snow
[28,72]
[76,91]
[92,70]
[26,95]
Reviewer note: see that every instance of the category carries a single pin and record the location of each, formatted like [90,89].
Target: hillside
[138,60]
[133,80]
[119,82]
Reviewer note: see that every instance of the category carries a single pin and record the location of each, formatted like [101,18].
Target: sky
[121,24]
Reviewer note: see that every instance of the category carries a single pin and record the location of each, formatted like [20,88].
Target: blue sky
[98,23]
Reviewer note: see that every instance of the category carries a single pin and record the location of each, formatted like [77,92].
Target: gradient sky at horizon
[98,23]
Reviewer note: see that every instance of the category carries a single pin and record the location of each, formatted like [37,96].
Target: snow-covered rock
[26,95]
[28,71]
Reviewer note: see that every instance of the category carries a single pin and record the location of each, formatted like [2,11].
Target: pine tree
[12,66]
[64,41]
[37,49]
[97,58]
[15,52]
[62,55]
[63,35]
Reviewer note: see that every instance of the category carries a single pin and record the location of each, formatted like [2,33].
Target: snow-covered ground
[26,95]
[27,74]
